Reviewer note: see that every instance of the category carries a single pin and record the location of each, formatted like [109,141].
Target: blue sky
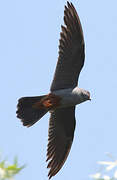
[29,34]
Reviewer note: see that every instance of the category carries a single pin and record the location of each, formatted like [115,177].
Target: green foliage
[8,171]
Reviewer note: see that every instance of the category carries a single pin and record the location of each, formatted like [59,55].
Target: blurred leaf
[106,174]
[9,171]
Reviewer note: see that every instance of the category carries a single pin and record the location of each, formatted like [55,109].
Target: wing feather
[61,133]
[71,51]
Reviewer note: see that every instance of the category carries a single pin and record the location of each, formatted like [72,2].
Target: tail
[30,110]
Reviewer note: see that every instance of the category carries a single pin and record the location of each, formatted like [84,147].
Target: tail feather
[27,111]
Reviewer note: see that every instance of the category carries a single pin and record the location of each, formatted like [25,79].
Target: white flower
[115,174]
[96,176]
[2,173]
[110,164]
[105,177]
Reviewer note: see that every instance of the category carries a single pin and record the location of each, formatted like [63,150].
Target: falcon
[64,94]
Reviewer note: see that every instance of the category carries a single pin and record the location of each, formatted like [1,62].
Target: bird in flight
[64,93]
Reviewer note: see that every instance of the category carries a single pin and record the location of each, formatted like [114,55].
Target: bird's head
[86,95]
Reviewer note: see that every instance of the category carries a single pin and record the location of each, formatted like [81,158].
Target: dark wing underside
[61,133]
[71,51]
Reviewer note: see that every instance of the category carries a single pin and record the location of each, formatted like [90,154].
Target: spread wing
[61,133]
[71,51]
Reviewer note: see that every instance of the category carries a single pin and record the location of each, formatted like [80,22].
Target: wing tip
[71,17]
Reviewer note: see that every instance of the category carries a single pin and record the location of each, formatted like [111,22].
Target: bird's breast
[68,97]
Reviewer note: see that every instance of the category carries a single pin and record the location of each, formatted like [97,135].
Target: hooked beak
[89,98]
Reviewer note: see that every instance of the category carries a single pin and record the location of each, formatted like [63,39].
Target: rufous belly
[49,102]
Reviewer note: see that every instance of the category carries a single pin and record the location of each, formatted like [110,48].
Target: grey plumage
[61,133]
[71,51]
[64,94]
[69,65]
